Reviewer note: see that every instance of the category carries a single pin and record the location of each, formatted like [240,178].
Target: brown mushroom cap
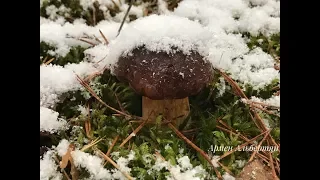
[162,75]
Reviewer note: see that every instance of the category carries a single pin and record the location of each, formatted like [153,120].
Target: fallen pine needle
[196,148]
[258,147]
[242,95]
[110,148]
[133,133]
[263,109]
[92,143]
[113,163]
[97,39]
[164,160]
[87,124]
[84,84]
[263,157]
[225,168]
[49,61]
[241,146]
[104,37]
[272,166]
[87,41]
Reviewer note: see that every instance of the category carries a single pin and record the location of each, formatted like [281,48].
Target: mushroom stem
[175,110]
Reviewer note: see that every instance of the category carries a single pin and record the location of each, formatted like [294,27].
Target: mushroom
[164,59]
[164,80]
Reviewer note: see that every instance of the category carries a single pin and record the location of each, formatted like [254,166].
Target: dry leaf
[74,172]
[66,157]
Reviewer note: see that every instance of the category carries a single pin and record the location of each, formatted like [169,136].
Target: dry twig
[196,148]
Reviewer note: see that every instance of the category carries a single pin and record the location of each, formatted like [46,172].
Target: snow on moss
[227,176]
[216,14]
[255,68]
[62,147]
[136,11]
[64,36]
[272,101]
[228,51]
[257,20]
[183,170]
[93,164]
[123,162]
[50,122]
[55,80]
[97,53]
[48,167]
[234,15]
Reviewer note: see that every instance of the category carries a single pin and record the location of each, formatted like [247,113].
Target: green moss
[75,55]
[269,45]
[201,126]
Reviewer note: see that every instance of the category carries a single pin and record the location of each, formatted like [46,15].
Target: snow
[272,101]
[227,176]
[123,162]
[211,36]
[216,14]
[48,167]
[185,163]
[255,68]
[220,15]
[240,163]
[63,36]
[62,147]
[226,46]
[215,160]
[55,80]
[50,122]
[147,158]
[211,27]
[96,53]
[162,7]
[158,33]
[263,23]
[86,4]
[82,110]
[93,164]
[183,170]
[135,10]
[221,87]
[104,4]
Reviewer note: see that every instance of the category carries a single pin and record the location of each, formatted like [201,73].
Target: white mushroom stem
[174,110]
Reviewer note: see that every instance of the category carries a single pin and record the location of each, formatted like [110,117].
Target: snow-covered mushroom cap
[159,33]
[162,56]
[159,75]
